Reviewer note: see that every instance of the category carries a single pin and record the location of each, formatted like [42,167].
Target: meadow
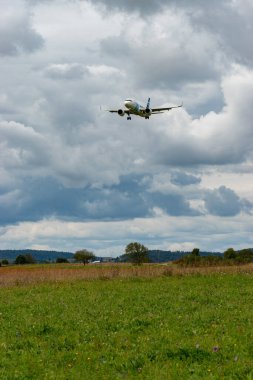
[124,322]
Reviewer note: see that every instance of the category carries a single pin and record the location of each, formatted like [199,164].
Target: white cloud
[105,70]
[235,177]
[65,71]
[159,232]
[21,147]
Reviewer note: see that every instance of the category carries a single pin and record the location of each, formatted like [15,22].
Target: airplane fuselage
[137,109]
[134,107]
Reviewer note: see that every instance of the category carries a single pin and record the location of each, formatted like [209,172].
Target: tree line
[230,257]
[137,254]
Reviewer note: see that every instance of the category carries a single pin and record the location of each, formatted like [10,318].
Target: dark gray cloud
[225,202]
[229,22]
[150,7]
[131,5]
[43,198]
[173,204]
[155,7]
[184,179]
[16,30]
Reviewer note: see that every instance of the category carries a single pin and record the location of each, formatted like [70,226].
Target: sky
[74,176]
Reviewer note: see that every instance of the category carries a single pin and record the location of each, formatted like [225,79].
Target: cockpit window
[128,100]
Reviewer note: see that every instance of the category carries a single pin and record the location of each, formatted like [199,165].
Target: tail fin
[148,103]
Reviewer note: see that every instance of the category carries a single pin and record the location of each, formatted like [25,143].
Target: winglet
[148,103]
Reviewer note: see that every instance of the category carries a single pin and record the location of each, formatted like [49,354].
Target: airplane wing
[126,111]
[161,109]
[116,111]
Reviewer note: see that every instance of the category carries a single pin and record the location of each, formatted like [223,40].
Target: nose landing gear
[129,118]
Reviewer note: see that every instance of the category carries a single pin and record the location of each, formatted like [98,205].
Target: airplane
[134,108]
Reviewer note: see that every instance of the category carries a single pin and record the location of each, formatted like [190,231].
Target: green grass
[189,327]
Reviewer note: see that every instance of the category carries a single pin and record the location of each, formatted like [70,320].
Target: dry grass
[25,275]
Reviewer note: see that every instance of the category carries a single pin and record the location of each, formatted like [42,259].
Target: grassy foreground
[175,327]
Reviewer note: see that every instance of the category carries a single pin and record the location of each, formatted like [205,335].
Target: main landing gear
[146,117]
[129,118]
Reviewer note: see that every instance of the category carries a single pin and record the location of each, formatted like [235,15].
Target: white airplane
[134,108]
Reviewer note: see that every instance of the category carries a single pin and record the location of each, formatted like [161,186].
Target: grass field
[165,325]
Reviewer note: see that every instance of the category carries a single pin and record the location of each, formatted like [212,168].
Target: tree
[61,260]
[137,253]
[195,252]
[24,259]
[244,256]
[5,262]
[84,256]
[230,253]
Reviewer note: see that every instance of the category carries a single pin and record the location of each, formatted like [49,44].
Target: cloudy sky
[72,176]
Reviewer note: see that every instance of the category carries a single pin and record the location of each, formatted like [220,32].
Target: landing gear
[146,117]
[129,118]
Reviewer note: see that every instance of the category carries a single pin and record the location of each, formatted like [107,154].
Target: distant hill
[39,255]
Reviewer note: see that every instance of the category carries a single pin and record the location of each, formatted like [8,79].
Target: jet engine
[148,111]
[121,112]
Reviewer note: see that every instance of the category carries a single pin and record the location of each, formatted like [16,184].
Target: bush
[195,252]
[199,261]
[212,260]
[229,254]
[60,260]
[167,272]
[188,260]
[5,262]
[244,256]
[24,259]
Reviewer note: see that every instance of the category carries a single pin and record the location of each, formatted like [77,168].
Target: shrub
[244,256]
[199,261]
[167,272]
[195,252]
[229,254]
[188,260]
[24,259]
[60,260]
